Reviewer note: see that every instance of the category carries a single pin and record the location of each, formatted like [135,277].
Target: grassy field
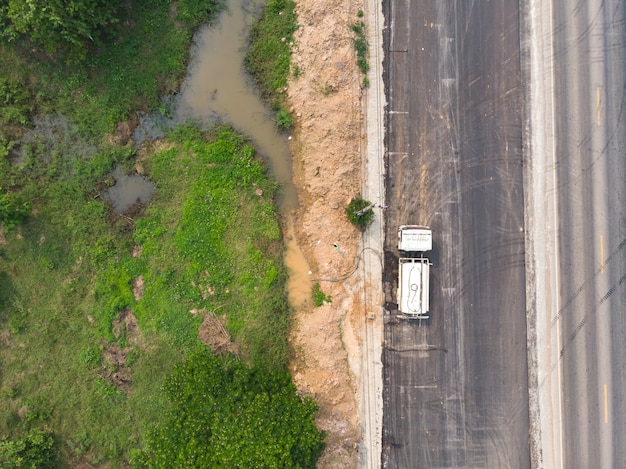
[210,242]
[90,328]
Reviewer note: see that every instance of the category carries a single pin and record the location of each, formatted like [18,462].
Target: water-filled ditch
[217,88]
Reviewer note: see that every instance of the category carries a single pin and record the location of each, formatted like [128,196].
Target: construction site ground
[337,155]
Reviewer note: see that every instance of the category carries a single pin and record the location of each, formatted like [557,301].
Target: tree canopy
[226,414]
[69,25]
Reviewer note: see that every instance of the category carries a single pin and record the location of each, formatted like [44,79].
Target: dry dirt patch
[126,323]
[114,365]
[213,333]
[138,287]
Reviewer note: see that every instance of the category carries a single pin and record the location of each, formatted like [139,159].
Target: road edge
[541,225]
[372,244]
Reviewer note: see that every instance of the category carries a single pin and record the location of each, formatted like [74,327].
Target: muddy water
[128,190]
[299,283]
[217,88]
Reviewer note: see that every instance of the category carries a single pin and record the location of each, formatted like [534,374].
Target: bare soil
[126,324]
[114,366]
[138,287]
[326,99]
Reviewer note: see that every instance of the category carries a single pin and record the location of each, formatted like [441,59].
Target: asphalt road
[455,386]
[590,128]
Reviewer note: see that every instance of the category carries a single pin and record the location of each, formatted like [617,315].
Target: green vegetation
[53,25]
[34,450]
[284,121]
[13,210]
[356,213]
[139,57]
[319,297]
[226,414]
[296,72]
[210,241]
[98,309]
[268,58]
[360,46]
[228,243]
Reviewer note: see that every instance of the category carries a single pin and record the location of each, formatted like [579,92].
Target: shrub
[15,102]
[356,215]
[227,414]
[360,46]
[53,25]
[13,209]
[34,450]
[197,12]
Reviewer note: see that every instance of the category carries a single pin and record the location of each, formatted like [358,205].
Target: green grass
[210,239]
[268,58]
[210,236]
[319,297]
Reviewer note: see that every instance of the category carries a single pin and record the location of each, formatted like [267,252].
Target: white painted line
[606,405]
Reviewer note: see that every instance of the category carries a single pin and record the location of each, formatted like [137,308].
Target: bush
[13,209]
[227,414]
[15,102]
[360,46]
[198,12]
[53,25]
[35,450]
[358,218]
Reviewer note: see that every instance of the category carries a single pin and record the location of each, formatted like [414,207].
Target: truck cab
[415,238]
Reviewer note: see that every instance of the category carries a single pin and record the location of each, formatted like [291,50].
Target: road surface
[455,386]
[590,128]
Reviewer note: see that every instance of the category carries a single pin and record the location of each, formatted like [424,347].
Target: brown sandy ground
[326,98]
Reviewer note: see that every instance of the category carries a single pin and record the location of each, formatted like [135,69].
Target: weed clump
[360,46]
[284,119]
[319,297]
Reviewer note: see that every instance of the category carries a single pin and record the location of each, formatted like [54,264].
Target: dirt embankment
[326,98]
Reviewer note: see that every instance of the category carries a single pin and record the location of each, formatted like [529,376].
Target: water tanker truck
[414,271]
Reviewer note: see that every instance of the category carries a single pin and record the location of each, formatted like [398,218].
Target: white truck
[414,272]
[414,238]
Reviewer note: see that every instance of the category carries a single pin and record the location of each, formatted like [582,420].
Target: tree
[227,414]
[69,25]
